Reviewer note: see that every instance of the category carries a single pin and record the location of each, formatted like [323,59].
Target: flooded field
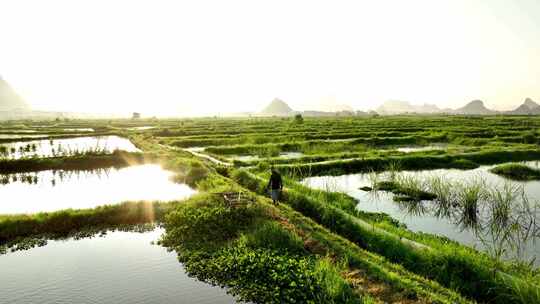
[65,147]
[10,136]
[411,149]
[79,130]
[142,128]
[287,155]
[56,190]
[122,267]
[451,222]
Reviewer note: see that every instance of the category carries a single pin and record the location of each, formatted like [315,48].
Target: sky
[205,57]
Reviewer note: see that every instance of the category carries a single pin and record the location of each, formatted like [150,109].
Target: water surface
[410,149]
[426,216]
[121,268]
[286,155]
[56,190]
[142,128]
[11,136]
[79,130]
[67,146]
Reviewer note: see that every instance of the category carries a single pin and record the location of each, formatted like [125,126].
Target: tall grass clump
[445,195]
[469,196]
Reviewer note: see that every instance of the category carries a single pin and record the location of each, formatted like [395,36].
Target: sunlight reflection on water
[56,190]
[67,146]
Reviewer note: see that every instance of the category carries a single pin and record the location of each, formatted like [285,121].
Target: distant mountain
[394,107]
[331,105]
[310,113]
[390,107]
[9,100]
[475,107]
[334,108]
[428,108]
[529,107]
[277,107]
[531,104]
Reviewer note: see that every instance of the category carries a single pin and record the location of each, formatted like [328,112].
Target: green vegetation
[272,254]
[517,172]
[409,162]
[405,191]
[452,265]
[13,228]
[256,258]
[86,161]
[315,247]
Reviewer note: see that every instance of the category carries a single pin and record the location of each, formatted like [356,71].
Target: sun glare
[215,57]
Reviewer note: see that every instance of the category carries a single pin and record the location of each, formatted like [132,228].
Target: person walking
[275,184]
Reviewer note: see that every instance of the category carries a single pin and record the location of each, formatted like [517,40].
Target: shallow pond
[10,136]
[122,267]
[141,128]
[410,149]
[19,130]
[56,190]
[428,216]
[286,155]
[66,147]
[79,130]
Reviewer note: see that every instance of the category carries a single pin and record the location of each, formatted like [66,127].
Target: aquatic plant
[470,272]
[469,194]
[393,167]
[446,198]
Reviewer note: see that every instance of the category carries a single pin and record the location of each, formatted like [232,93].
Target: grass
[317,238]
[255,258]
[409,162]
[452,265]
[16,228]
[469,196]
[83,162]
[405,188]
[215,243]
[518,172]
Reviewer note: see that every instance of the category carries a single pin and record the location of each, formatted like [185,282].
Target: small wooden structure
[235,199]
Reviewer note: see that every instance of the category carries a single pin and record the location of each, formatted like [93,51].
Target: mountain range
[13,106]
[475,107]
[278,107]
[391,107]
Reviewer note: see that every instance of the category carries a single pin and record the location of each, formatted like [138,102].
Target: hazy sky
[194,57]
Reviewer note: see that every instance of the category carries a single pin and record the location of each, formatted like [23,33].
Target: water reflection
[65,147]
[410,149]
[10,136]
[79,130]
[285,155]
[58,189]
[474,207]
[122,267]
[141,128]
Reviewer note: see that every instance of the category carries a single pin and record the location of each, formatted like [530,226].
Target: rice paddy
[404,209]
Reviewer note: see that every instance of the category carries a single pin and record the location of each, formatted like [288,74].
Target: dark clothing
[275,181]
